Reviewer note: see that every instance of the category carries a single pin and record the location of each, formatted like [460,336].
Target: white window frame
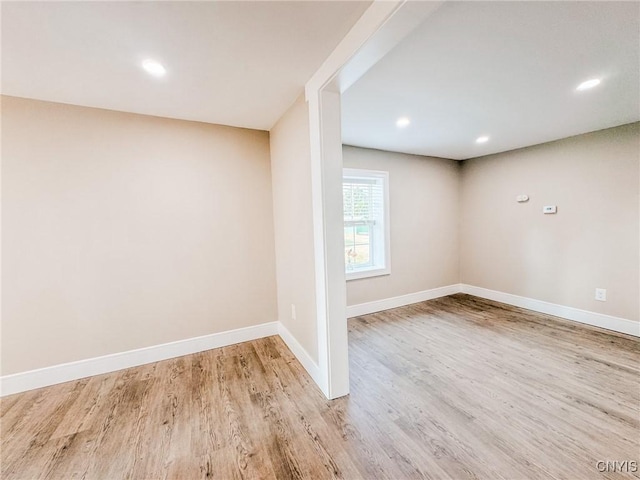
[385,250]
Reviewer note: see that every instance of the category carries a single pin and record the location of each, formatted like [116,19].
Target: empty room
[309,239]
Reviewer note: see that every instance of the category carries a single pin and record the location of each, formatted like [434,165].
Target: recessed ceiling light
[154,68]
[482,139]
[588,84]
[402,122]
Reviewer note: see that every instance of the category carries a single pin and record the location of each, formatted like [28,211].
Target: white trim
[321,93]
[380,28]
[300,353]
[608,322]
[373,18]
[370,272]
[402,300]
[317,198]
[43,377]
[382,256]
[328,223]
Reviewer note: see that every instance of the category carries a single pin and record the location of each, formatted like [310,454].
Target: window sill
[367,273]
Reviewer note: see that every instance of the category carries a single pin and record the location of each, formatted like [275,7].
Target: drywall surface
[292,207]
[122,231]
[591,242]
[424,211]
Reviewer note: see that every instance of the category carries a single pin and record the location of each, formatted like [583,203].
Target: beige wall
[424,209]
[291,178]
[122,231]
[591,242]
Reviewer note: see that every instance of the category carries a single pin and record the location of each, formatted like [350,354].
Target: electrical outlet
[293,311]
[601,294]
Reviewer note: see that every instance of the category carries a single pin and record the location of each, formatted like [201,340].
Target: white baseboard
[401,301]
[20,382]
[66,372]
[301,354]
[608,322]
[621,325]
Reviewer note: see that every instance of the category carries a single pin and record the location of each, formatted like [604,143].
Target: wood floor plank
[250,459]
[453,388]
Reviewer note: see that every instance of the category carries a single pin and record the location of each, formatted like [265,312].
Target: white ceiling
[233,63]
[507,70]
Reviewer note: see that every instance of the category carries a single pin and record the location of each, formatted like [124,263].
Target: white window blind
[365,223]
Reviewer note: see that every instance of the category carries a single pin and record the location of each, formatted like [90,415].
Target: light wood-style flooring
[453,388]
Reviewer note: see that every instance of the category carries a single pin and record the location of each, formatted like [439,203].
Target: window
[366,223]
